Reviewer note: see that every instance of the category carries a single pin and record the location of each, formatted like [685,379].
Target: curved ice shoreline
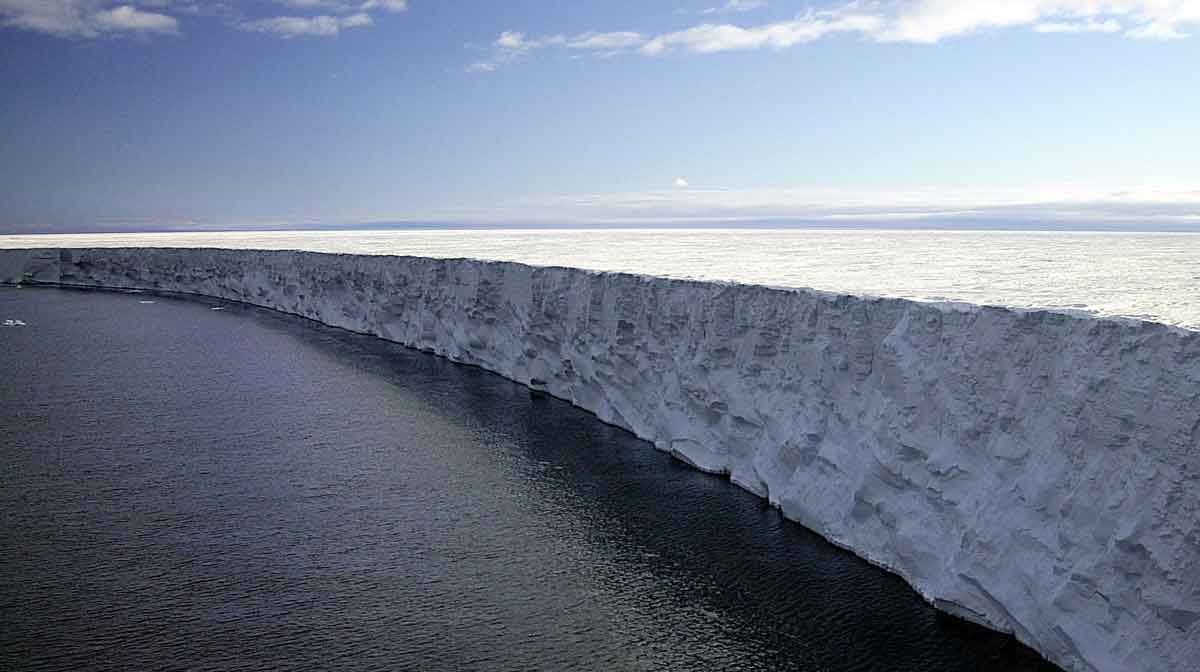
[1038,472]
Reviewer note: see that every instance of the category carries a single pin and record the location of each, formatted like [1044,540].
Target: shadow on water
[786,584]
[520,532]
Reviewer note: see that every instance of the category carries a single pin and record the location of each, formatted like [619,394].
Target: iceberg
[1034,471]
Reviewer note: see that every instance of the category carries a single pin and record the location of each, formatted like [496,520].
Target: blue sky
[189,114]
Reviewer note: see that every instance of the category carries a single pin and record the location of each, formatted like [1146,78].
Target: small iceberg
[14,323]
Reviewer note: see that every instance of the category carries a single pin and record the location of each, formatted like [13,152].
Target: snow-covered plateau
[1035,471]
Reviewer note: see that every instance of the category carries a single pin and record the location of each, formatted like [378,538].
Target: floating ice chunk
[146,302]
[217,308]
[13,323]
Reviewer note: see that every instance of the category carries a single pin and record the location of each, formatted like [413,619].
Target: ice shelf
[1034,471]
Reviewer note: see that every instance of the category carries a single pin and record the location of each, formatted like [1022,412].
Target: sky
[185,114]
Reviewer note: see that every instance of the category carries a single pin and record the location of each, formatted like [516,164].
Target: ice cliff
[1034,471]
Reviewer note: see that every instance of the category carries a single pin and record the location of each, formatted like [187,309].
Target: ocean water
[187,488]
[1150,276]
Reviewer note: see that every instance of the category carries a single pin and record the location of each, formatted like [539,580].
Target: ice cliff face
[1034,471]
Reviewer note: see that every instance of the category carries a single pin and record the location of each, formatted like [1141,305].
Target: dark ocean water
[192,489]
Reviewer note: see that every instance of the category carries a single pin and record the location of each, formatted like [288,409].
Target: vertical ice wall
[1034,471]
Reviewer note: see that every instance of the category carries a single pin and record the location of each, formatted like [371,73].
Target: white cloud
[512,45]
[322,25]
[1158,30]
[1088,26]
[911,21]
[85,18]
[928,21]
[508,47]
[712,38]
[395,6]
[345,6]
[357,20]
[512,40]
[605,41]
[322,5]
[736,6]
[101,18]
[340,15]
[681,183]
[127,18]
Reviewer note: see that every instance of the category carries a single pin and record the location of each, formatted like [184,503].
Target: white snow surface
[1144,275]
[1035,471]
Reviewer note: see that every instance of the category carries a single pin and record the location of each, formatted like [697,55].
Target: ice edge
[1032,470]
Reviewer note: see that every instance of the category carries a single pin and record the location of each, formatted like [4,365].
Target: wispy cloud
[712,38]
[1087,26]
[1158,30]
[512,46]
[296,26]
[346,6]
[735,6]
[132,19]
[88,19]
[702,39]
[929,21]
[884,21]
[321,5]
[395,6]
[605,41]
[339,15]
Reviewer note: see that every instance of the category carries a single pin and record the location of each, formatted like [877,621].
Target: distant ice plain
[1149,276]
